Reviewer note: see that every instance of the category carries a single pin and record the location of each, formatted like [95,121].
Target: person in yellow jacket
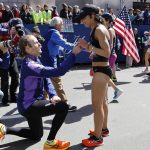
[37,15]
[47,15]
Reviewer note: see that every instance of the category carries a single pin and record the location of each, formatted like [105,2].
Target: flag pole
[123,3]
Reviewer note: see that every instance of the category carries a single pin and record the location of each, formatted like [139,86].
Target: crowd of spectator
[43,15]
[139,17]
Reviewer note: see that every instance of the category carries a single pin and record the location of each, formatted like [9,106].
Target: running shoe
[117,93]
[114,79]
[148,73]
[145,71]
[93,141]
[105,132]
[72,108]
[2,131]
[57,145]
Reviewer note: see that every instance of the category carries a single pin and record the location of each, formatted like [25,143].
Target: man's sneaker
[2,131]
[105,132]
[148,73]
[145,71]
[72,108]
[93,141]
[118,69]
[117,93]
[57,145]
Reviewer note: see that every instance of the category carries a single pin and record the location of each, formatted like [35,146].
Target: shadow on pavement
[18,145]
[114,101]
[79,114]
[11,111]
[74,116]
[139,74]
[12,121]
[80,147]
[85,86]
[146,80]
[120,83]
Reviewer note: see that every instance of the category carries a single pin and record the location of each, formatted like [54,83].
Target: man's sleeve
[49,88]
[46,72]
[58,39]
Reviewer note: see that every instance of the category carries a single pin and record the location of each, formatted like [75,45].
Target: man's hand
[83,43]
[77,49]
[55,99]
[2,48]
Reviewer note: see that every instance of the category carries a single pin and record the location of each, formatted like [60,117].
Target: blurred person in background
[4,63]
[47,14]
[26,16]
[11,31]
[70,12]
[38,15]
[15,11]
[23,8]
[146,16]
[111,11]
[64,11]
[7,13]
[75,13]
[131,15]
[138,41]
[54,11]
[2,8]
[36,32]
[147,54]
[138,17]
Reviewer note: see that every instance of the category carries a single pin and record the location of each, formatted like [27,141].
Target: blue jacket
[32,78]
[4,60]
[51,47]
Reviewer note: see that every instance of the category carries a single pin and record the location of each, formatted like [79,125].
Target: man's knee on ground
[62,107]
[37,136]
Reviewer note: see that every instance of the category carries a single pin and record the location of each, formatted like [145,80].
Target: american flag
[123,27]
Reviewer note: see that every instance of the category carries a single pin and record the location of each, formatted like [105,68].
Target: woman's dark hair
[107,17]
[99,18]
[24,41]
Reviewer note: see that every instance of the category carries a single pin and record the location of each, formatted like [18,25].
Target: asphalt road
[129,119]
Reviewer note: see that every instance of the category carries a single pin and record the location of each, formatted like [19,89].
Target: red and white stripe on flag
[123,27]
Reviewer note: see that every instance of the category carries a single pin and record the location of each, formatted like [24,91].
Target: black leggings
[34,116]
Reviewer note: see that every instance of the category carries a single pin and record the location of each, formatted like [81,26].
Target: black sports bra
[95,43]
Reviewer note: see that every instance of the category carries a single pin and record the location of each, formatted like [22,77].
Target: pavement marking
[10,117]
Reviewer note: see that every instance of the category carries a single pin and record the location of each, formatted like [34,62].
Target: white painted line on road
[10,117]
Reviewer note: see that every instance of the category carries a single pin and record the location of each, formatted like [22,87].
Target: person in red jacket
[16,11]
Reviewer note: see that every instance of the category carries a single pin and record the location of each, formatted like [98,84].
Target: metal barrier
[80,31]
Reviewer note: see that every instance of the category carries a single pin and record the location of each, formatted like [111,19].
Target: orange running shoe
[2,131]
[105,132]
[93,141]
[59,145]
